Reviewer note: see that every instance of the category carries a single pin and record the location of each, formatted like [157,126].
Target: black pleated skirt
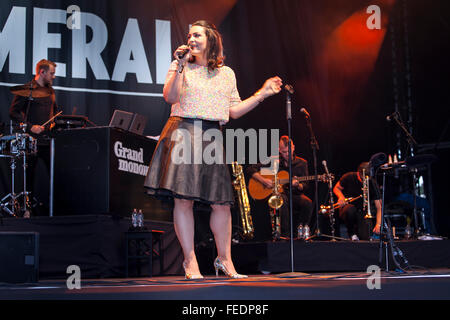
[178,168]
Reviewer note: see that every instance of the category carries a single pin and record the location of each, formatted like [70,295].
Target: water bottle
[306,232]
[300,231]
[407,232]
[140,219]
[134,219]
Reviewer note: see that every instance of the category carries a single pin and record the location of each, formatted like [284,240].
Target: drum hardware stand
[13,202]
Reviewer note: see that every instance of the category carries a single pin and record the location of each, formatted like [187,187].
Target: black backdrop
[348,77]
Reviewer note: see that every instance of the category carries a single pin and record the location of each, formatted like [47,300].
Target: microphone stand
[289,120]
[386,236]
[289,91]
[412,143]
[331,201]
[315,148]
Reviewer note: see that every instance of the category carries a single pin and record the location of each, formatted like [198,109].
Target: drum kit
[18,146]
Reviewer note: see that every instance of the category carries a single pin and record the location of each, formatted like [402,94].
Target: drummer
[34,113]
[42,107]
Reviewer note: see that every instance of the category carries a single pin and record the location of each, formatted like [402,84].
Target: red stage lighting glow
[346,61]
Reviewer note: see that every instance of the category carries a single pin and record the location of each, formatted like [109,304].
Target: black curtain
[347,76]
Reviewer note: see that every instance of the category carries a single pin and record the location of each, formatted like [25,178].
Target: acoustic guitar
[258,192]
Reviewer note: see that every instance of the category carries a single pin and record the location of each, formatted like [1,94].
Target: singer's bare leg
[183,219]
[220,224]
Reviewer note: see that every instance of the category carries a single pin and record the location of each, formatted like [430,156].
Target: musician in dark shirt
[301,204]
[35,113]
[39,110]
[350,186]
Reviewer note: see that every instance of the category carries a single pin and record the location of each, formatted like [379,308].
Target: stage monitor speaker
[19,257]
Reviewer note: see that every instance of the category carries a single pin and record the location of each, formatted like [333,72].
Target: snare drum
[14,145]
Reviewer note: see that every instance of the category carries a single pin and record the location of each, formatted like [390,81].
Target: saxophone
[275,201]
[244,205]
[366,198]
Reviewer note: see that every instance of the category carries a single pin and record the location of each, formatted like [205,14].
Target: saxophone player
[351,185]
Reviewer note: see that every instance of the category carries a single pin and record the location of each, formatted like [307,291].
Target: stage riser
[327,256]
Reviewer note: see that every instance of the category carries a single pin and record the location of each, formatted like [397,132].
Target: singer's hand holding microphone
[182,55]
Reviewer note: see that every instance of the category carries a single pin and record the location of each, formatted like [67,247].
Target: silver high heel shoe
[218,265]
[189,276]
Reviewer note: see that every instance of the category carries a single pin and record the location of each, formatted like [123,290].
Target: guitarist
[301,204]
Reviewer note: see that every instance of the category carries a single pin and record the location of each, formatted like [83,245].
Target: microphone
[306,113]
[288,106]
[289,88]
[183,53]
[324,162]
[392,116]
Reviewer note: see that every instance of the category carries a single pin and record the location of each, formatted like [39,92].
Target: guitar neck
[299,179]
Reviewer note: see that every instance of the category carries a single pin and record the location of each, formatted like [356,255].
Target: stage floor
[97,245]
[433,284]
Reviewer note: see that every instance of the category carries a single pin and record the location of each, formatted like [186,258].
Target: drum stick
[42,125]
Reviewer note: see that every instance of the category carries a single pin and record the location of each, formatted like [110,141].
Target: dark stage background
[348,77]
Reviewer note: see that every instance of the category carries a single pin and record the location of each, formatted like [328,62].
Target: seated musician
[302,205]
[351,186]
[34,113]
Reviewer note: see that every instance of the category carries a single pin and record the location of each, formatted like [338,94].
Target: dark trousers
[353,218]
[301,213]
[38,179]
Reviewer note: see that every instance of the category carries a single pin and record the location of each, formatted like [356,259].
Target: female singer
[201,90]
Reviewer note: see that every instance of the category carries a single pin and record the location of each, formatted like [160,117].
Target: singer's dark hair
[214,47]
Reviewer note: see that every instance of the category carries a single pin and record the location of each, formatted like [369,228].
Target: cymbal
[24,91]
